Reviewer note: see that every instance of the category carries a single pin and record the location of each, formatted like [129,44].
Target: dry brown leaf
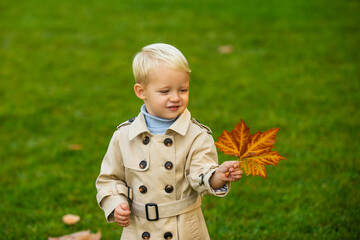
[225,49]
[253,150]
[83,235]
[70,219]
[96,236]
[75,147]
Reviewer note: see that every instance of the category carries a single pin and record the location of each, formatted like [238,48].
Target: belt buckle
[156,211]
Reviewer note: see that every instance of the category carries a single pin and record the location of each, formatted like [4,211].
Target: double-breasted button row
[167,142]
[168,189]
[167,235]
[168,165]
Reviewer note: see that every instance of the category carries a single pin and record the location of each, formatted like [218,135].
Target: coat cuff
[109,203]
[211,190]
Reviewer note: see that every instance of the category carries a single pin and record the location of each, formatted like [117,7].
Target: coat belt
[153,211]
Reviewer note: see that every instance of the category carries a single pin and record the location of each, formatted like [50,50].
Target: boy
[159,164]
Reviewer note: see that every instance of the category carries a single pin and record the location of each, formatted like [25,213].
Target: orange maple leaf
[253,150]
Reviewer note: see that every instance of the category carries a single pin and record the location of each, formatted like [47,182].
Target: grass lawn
[66,81]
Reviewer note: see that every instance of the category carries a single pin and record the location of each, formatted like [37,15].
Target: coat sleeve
[110,184]
[203,162]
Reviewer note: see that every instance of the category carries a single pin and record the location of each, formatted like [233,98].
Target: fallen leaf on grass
[83,235]
[225,49]
[75,147]
[70,219]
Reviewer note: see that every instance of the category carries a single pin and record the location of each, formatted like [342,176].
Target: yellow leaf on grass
[83,235]
[75,147]
[225,49]
[70,219]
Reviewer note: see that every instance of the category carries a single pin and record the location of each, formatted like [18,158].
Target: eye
[164,91]
[184,90]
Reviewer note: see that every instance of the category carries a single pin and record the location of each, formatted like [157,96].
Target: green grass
[65,78]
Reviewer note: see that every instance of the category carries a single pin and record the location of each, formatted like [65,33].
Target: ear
[139,91]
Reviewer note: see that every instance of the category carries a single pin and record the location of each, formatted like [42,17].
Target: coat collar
[180,126]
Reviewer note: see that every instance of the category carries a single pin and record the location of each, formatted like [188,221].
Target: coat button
[168,235]
[169,188]
[143,164]
[143,189]
[168,165]
[145,235]
[168,142]
[146,140]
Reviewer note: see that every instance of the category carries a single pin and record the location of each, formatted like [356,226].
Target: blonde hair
[152,56]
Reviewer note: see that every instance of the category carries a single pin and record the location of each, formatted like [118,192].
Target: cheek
[186,99]
[162,99]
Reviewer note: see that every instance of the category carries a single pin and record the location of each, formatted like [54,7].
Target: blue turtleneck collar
[156,125]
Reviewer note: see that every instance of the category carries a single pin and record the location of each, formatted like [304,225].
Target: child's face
[167,93]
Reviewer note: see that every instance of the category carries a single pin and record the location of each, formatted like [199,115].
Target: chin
[172,115]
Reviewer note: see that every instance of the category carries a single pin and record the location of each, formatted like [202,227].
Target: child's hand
[122,215]
[228,171]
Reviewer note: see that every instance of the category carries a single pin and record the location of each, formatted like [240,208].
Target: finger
[233,165]
[123,223]
[122,218]
[230,164]
[236,173]
[235,169]
[235,179]
[236,164]
[123,213]
[234,176]
[124,206]
[120,211]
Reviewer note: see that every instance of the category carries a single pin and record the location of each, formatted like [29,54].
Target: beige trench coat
[159,169]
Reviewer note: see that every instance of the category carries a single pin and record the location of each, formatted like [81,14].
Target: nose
[175,97]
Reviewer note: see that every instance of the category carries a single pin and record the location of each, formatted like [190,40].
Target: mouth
[173,108]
